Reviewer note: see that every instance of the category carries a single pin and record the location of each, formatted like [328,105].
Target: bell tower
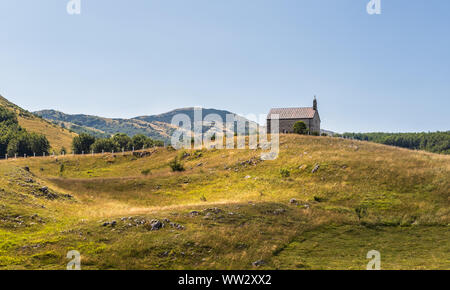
[315,104]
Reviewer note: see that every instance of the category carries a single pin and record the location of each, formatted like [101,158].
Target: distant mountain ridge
[154,126]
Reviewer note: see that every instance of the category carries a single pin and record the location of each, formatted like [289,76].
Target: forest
[85,143]
[436,142]
[16,140]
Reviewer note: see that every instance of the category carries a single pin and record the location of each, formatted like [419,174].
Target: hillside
[56,135]
[228,209]
[156,126]
[436,142]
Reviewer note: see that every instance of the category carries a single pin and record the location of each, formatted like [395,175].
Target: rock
[248,177]
[194,213]
[214,210]
[258,263]
[279,211]
[177,226]
[293,201]
[27,168]
[164,254]
[156,225]
[44,189]
[113,223]
[105,224]
[316,167]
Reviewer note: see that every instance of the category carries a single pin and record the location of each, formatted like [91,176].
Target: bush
[176,165]
[319,199]
[146,171]
[285,172]
[300,128]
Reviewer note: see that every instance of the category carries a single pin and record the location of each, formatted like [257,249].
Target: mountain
[158,127]
[57,136]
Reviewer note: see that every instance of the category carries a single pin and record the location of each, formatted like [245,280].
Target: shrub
[318,198]
[176,165]
[285,172]
[146,171]
[300,128]
[62,151]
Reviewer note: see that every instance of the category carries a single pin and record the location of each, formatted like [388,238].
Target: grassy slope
[57,136]
[403,198]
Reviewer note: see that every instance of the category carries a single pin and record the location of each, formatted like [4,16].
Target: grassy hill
[56,135]
[156,126]
[229,209]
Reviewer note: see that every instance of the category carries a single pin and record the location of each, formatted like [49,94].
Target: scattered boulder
[155,225]
[259,263]
[279,211]
[177,226]
[293,201]
[194,213]
[316,168]
[27,168]
[214,210]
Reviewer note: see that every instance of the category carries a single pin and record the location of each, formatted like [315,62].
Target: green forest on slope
[436,142]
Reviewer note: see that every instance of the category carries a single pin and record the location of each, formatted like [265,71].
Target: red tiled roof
[293,113]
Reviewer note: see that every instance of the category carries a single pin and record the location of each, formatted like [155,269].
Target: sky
[388,72]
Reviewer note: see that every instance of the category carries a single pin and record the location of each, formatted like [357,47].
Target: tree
[122,141]
[38,144]
[139,141]
[300,128]
[106,145]
[82,143]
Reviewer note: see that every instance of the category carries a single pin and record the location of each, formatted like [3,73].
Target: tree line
[16,140]
[85,143]
[436,142]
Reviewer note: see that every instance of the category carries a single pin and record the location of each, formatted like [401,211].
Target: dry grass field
[228,208]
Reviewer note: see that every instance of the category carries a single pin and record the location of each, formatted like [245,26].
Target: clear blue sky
[388,72]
